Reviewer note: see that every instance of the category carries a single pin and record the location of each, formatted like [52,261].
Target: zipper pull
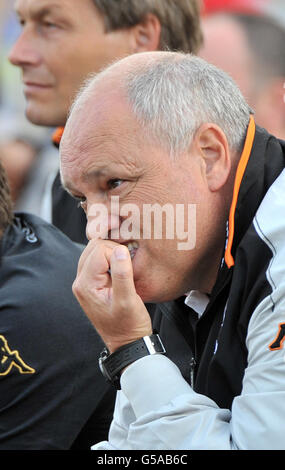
[193,364]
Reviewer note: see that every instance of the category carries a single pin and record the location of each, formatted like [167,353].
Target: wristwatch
[111,365]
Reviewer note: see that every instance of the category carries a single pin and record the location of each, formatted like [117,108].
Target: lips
[37,84]
[30,87]
[132,247]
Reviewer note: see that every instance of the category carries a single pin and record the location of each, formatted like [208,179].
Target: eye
[49,24]
[114,183]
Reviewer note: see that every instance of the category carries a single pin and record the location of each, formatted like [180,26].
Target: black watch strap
[111,365]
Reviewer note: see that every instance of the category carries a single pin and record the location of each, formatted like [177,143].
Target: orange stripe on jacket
[238,179]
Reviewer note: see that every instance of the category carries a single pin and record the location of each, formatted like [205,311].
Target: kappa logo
[10,359]
[278,342]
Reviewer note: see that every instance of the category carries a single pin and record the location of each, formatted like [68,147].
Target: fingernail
[121,252]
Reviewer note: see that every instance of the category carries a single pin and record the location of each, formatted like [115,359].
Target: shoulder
[38,264]
[42,241]
[269,224]
[269,221]
[38,267]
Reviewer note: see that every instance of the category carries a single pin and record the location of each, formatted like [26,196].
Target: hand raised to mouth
[105,289]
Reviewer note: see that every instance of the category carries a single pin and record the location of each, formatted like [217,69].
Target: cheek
[159,262]
[67,68]
[161,280]
[82,61]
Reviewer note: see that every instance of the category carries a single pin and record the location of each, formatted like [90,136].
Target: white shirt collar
[197,301]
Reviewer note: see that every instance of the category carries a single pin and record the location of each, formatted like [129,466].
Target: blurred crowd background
[26,150]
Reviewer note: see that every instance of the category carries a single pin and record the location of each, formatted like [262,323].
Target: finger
[122,275]
[89,280]
[95,271]
[95,248]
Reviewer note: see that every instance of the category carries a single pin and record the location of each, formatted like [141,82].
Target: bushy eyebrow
[86,178]
[93,175]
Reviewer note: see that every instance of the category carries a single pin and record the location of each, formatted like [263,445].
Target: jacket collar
[237,187]
[261,162]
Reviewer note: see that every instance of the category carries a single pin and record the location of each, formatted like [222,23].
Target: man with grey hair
[170,130]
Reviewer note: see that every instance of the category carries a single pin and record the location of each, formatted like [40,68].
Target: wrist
[113,364]
[114,346]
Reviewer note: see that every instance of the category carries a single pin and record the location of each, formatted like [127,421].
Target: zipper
[193,364]
[175,315]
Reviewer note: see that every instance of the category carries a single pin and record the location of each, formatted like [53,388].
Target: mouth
[132,247]
[33,86]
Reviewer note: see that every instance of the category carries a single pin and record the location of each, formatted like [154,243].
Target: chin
[145,292]
[152,287]
[152,294]
[43,116]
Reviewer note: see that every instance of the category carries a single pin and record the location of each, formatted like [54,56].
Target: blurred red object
[240,6]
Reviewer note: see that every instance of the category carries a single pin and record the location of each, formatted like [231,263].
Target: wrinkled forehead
[101,114]
[104,138]
[94,125]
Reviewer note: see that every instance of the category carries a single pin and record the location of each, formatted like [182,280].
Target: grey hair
[174,95]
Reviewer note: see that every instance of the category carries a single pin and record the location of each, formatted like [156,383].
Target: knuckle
[76,288]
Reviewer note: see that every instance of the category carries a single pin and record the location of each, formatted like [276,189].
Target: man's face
[109,157]
[61,43]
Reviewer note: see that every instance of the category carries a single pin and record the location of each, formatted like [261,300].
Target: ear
[146,35]
[212,146]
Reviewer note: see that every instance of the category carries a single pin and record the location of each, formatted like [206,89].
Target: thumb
[122,274]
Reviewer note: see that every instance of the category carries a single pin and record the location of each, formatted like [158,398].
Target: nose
[102,225]
[24,52]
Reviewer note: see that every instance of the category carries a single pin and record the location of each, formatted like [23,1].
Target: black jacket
[52,394]
[66,215]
